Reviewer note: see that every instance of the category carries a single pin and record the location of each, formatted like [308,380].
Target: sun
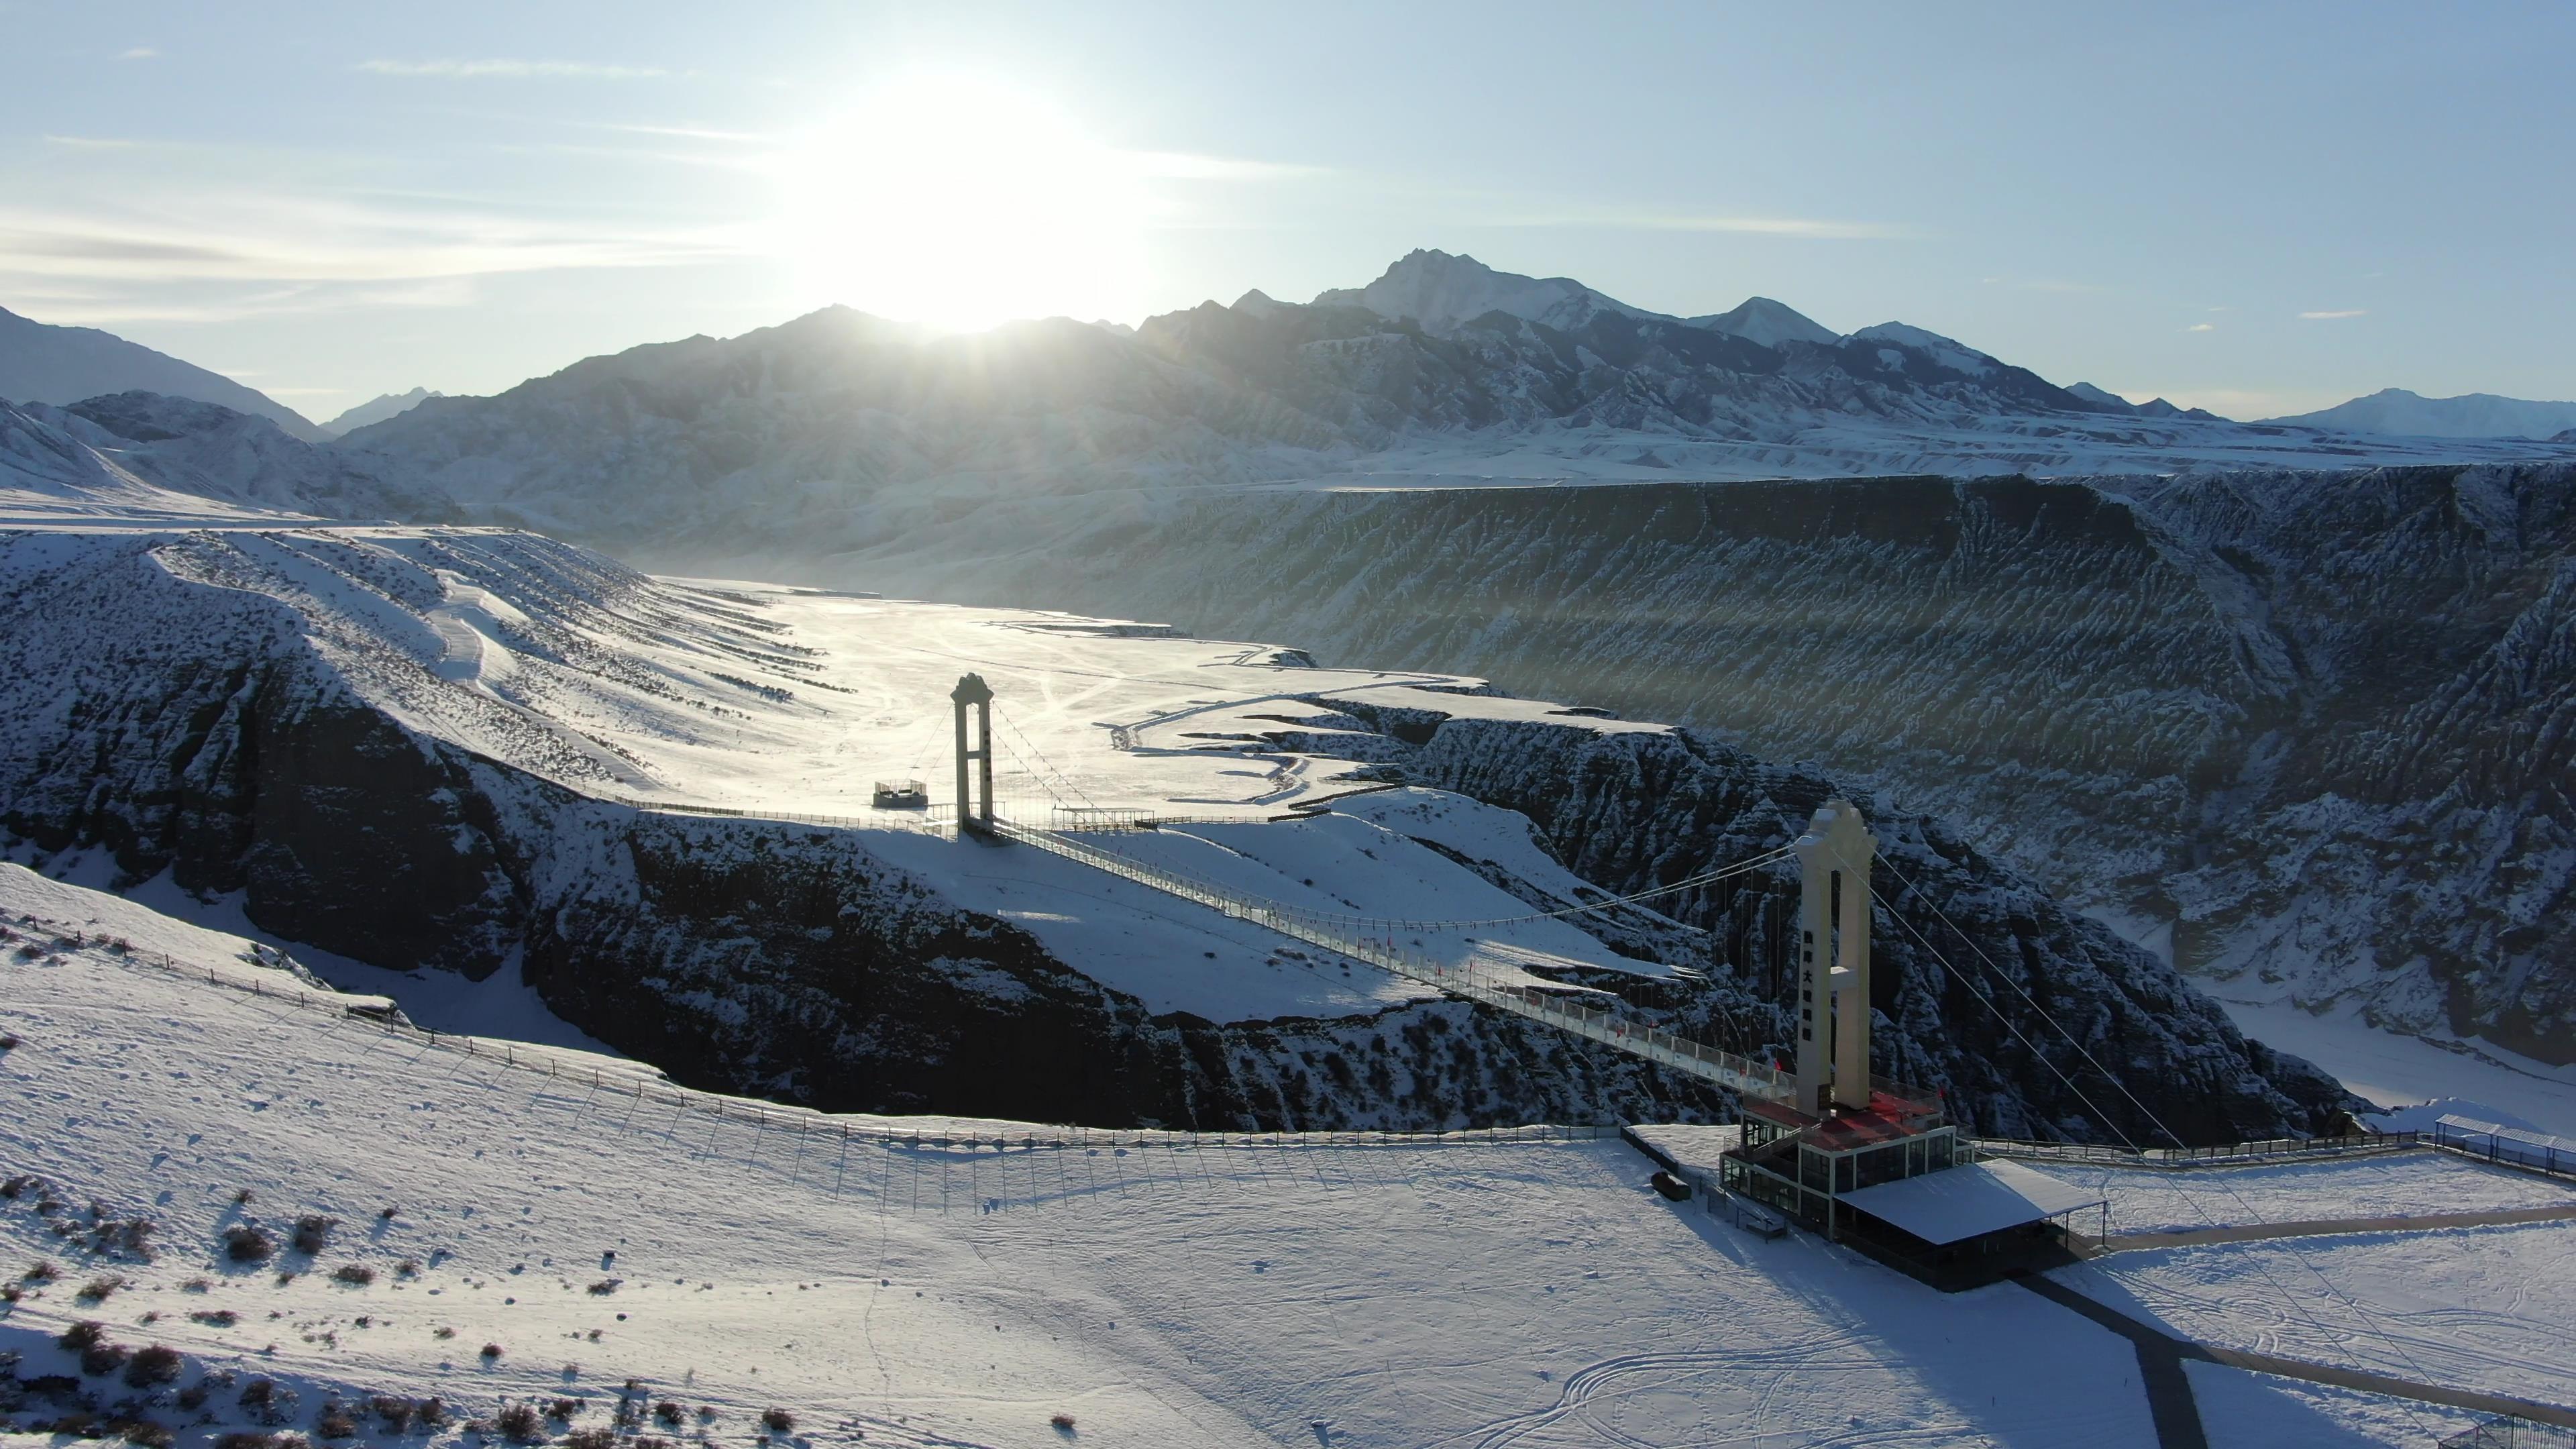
[957,203]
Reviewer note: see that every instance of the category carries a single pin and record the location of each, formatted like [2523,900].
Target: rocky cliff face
[2311,733]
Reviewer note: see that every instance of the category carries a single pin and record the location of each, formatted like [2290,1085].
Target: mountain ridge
[58,366]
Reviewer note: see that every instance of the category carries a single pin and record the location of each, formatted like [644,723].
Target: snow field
[1442,1294]
[2490,1308]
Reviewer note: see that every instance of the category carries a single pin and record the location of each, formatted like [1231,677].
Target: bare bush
[313,1233]
[243,1439]
[562,1408]
[356,1275]
[217,1317]
[667,1411]
[246,1244]
[147,1434]
[101,1359]
[491,1350]
[778,1421]
[154,1366]
[591,1438]
[603,1287]
[85,1334]
[519,1424]
[42,1273]
[1061,1423]
[336,1422]
[97,1289]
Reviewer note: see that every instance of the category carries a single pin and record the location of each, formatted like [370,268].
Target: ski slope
[965,1289]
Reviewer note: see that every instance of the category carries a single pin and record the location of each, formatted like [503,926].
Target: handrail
[1373,941]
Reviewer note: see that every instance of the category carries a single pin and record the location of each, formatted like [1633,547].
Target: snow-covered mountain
[202,450]
[40,363]
[836,431]
[2471,415]
[377,409]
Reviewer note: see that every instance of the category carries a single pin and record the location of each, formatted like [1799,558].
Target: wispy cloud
[91,143]
[140,52]
[506,69]
[1805,227]
[2202,327]
[2334,316]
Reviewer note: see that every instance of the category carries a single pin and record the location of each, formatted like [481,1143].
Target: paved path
[2177,1414]
[2251,1232]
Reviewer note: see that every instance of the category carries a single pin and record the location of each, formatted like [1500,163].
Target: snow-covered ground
[1193,1291]
[2407,1184]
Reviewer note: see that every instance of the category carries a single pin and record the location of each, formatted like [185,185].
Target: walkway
[2403,1223]
[2177,1414]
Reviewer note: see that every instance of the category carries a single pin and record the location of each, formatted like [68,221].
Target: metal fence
[2497,1143]
[2513,1434]
[642,1084]
[2267,1149]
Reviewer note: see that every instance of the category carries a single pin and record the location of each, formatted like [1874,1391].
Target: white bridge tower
[1833,959]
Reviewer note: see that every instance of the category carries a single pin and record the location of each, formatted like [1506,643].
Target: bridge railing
[1383,942]
[2265,1149]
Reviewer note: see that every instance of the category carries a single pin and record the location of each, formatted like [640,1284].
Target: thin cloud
[140,52]
[687,133]
[2202,327]
[91,143]
[2334,316]
[505,69]
[1806,227]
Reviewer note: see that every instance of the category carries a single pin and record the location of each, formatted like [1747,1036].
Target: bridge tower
[972,690]
[1834,857]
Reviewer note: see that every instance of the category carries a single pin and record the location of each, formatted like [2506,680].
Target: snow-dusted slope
[2473,415]
[46,364]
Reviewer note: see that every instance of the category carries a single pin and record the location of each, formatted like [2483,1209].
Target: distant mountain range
[42,363]
[2471,415]
[377,409]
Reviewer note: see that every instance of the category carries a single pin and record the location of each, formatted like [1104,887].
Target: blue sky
[2257,209]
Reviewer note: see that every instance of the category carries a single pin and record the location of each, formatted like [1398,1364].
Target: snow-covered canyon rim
[478,750]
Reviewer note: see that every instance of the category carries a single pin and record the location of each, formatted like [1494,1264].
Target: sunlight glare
[958,203]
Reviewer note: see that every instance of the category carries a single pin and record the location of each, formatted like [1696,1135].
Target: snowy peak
[42,363]
[1440,291]
[376,410]
[1950,353]
[2109,401]
[1759,319]
[2396,411]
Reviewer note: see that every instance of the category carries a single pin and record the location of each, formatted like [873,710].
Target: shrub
[242,1439]
[148,1434]
[20,1185]
[335,1422]
[195,1285]
[85,1334]
[431,1412]
[562,1408]
[603,1287]
[11,1293]
[101,1359]
[8,1041]
[395,1411]
[446,1332]
[491,1350]
[242,1198]
[652,1441]
[97,1289]
[667,1411]
[265,1401]
[591,1438]
[356,1275]
[408,1268]
[246,1244]
[518,1423]
[217,1317]
[1062,1423]
[778,1421]
[193,1397]
[43,1273]
[313,1233]
[154,1366]
[78,1424]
